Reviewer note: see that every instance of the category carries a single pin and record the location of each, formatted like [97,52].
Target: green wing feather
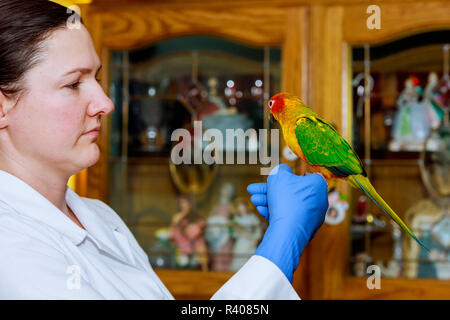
[322,145]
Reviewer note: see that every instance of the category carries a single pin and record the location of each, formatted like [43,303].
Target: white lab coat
[45,255]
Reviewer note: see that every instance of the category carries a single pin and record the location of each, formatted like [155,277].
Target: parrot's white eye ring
[270,104]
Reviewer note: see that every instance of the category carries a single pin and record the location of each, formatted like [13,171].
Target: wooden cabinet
[335,29]
[316,39]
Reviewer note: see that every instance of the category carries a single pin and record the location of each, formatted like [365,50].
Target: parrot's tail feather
[367,187]
[353,182]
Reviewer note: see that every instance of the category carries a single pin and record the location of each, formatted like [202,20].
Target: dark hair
[24,25]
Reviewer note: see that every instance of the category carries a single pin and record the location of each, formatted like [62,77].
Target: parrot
[319,144]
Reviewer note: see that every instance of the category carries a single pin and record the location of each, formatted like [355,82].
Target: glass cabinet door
[401,134]
[190,215]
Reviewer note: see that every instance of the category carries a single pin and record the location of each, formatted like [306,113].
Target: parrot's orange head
[286,108]
[277,104]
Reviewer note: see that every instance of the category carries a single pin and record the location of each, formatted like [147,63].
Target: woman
[56,245]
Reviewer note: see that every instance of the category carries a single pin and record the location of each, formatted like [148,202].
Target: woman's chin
[90,156]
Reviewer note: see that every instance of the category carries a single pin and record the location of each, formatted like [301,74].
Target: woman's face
[62,101]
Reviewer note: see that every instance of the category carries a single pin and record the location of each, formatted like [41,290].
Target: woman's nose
[100,103]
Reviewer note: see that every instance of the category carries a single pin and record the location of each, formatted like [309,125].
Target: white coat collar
[28,202]
[99,223]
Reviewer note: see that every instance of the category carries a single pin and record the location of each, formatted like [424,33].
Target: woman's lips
[94,133]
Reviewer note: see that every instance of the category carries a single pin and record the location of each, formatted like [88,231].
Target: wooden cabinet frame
[315,37]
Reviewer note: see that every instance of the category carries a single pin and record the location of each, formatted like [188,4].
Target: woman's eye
[74,85]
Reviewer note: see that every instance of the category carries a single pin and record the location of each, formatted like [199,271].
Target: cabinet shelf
[394,155]
[395,162]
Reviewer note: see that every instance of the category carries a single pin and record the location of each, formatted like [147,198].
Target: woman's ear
[5,105]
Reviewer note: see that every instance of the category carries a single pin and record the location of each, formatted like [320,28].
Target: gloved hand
[295,207]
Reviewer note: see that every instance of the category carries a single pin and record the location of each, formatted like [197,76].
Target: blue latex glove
[295,207]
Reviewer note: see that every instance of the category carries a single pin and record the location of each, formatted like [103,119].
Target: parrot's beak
[272,119]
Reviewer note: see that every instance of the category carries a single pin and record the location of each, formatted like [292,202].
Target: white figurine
[428,98]
[410,127]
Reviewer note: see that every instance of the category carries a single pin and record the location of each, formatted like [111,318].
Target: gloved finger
[314,233]
[318,180]
[257,188]
[259,199]
[318,227]
[280,167]
[264,211]
[284,167]
[320,174]
[279,172]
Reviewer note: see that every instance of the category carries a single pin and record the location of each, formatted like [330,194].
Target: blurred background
[378,71]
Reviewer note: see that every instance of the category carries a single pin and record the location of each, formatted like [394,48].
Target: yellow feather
[366,186]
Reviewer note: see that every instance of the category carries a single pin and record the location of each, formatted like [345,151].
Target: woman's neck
[44,180]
